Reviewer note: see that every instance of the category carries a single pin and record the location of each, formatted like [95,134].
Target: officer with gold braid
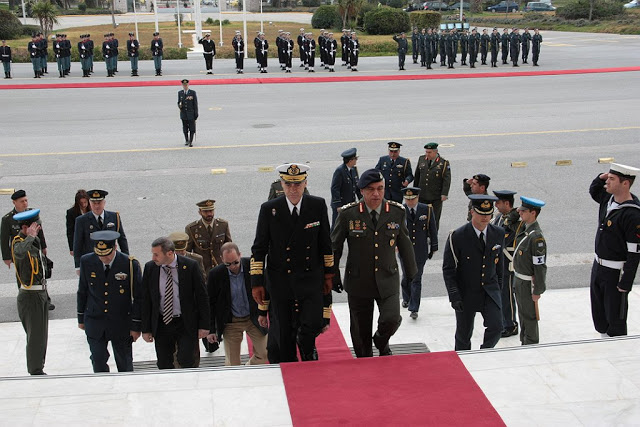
[292,239]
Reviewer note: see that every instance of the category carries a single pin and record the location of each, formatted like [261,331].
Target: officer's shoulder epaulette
[191,224]
[396,204]
[349,205]
[221,221]
[275,182]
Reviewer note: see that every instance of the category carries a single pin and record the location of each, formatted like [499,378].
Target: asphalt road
[128,141]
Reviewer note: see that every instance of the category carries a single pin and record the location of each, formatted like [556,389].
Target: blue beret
[347,154]
[27,216]
[368,177]
[531,203]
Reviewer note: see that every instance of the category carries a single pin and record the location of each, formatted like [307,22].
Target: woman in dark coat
[80,207]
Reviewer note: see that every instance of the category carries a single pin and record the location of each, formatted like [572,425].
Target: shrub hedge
[10,26]
[425,19]
[326,16]
[386,20]
[579,9]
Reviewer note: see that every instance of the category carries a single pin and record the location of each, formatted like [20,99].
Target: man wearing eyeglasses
[293,234]
[233,310]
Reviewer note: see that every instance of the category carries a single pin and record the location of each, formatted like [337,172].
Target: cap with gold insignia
[349,154]
[482,179]
[530,203]
[394,146]
[207,205]
[184,81]
[104,241]
[431,146]
[179,239]
[19,194]
[293,172]
[368,177]
[27,217]
[482,203]
[410,192]
[97,195]
[624,171]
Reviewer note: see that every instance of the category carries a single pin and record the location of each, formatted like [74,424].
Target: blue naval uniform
[344,189]
[109,306]
[424,238]
[395,173]
[87,224]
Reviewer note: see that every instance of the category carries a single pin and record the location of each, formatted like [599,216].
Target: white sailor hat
[293,172]
[624,170]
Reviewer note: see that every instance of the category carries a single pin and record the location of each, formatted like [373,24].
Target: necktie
[482,244]
[167,305]
[374,218]
[413,215]
[100,222]
[107,268]
[294,214]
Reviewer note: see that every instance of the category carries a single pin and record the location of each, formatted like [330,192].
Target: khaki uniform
[207,243]
[434,182]
[530,270]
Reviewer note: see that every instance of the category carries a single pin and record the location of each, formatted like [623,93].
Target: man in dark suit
[396,171]
[344,184]
[175,309]
[294,232]
[233,310]
[374,228]
[472,270]
[421,224]
[96,220]
[109,302]
[188,105]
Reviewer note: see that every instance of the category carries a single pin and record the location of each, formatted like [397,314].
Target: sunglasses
[229,264]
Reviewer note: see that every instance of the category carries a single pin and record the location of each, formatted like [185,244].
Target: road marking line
[302,143]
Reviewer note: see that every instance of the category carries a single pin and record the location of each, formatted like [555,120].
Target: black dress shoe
[510,332]
[405,304]
[52,307]
[377,341]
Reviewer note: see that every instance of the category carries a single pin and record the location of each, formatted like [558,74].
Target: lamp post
[179,32]
[244,21]
[155,12]
[24,15]
[135,19]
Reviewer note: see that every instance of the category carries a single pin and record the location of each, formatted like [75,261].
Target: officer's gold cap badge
[95,194]
[485,205]
[408,193]
[293,172]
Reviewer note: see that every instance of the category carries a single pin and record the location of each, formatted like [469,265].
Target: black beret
[368,177]
[18,195]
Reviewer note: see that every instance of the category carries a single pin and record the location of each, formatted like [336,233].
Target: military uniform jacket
[26,255]
[422,231]
[238,45]
[5,53]
[403,44]
[526,39]
[297,254]
[87,224]
[469,273]
[495,41]
[515,42]
[194,301]
[464,42]
[156,47]
[207,244]
[484,41]
[332,47]
[133,46]
[209,46]
[9,228]
[34,49]
[371,270]
[512,224]
[219,290]
[530,257]
[434,181]
[395,173]
[618,235]
[58,48]
[505,41]
[83,50]
[536,40]
[343,186]
[110,306]
[188,104]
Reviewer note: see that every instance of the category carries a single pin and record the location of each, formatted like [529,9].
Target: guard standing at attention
[83,52]
[526,40]
[156,51]
[495,46]
[344,184]
[34,53]
[108,53]
[5,56]
[396,171]
[529,269]
[433,177]
[238,51]
[110,302]
[208,234]
[403,46]
[505,45]
[133,46]
[514,44]
[416,44]
[188,105]
[536,41]
[354,51]
[617,248]
[209,53]
[421,224]
[374,229]
[484,46]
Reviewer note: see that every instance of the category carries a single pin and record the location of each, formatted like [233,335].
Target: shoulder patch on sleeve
[396,204]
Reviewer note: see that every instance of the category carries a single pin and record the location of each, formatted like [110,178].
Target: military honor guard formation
[426,45]
[198,286]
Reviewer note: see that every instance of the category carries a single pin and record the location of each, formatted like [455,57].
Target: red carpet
[318,79]
[420,389]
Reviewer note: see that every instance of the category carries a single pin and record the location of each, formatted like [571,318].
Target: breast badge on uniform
[121,291]
[93,275]
[392,242]
[110,224]
[609,223]
[121,276]
[273,211]
[393,226]
[422,217]
[312,224]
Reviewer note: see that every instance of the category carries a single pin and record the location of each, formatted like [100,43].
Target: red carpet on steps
[419,389]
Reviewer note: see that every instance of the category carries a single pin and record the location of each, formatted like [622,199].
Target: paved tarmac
[128,141]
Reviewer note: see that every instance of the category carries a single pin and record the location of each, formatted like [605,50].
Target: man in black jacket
[233,310]
[188,105]
[472,270]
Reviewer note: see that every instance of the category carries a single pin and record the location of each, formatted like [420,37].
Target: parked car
[504,7]
[535,6]
[632,4]
[435,5]
[465,6]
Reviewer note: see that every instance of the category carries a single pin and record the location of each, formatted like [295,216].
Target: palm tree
[349,10]
[46,13]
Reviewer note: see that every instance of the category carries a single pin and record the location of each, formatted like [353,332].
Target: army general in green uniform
[433,178]
[207,235]
[530,269]
[373,229]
